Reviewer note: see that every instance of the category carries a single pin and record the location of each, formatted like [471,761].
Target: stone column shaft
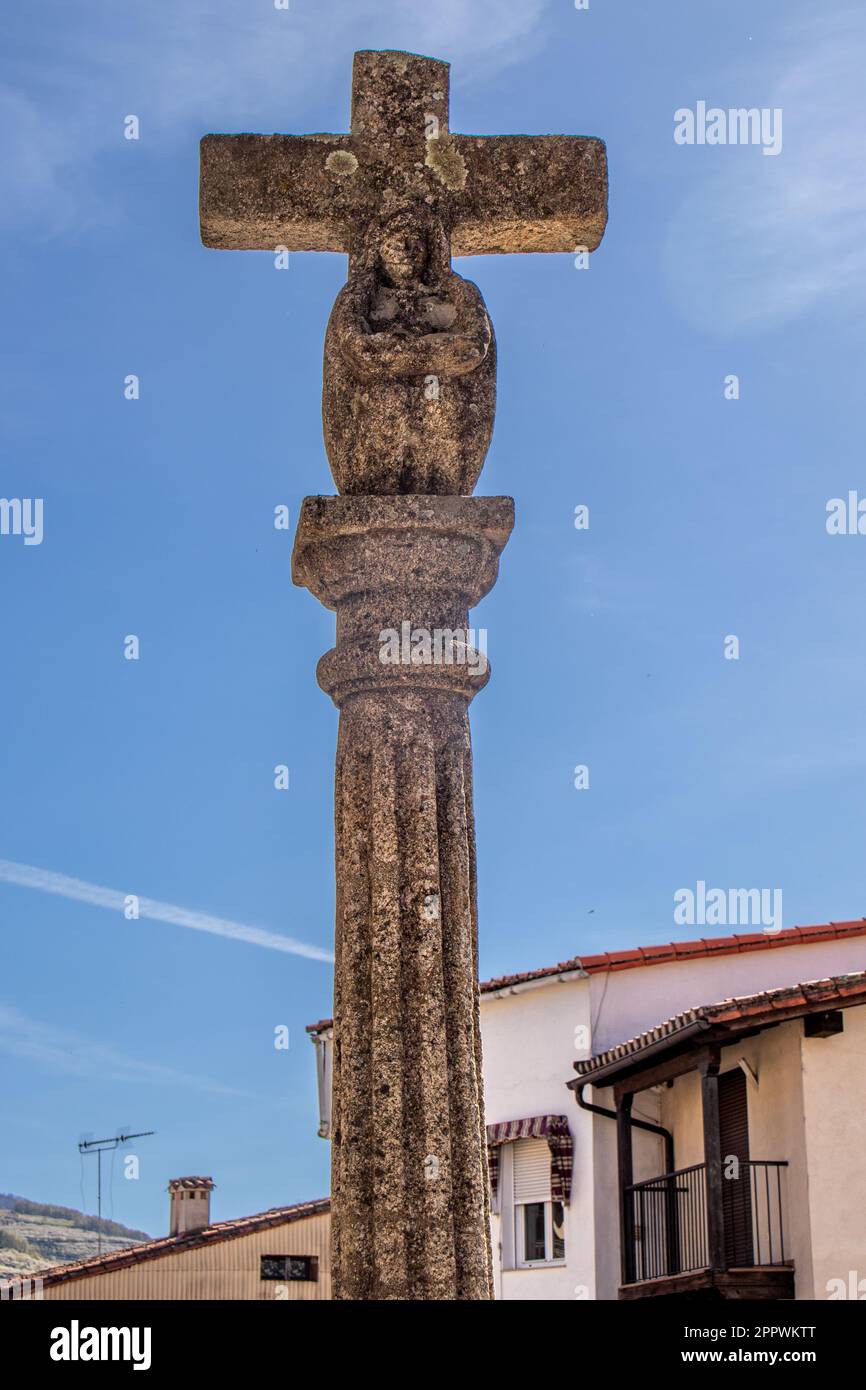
[410,1205]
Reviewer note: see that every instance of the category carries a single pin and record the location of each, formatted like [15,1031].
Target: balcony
[687,1234]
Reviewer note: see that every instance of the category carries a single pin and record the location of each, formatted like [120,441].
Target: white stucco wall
[809,1109]
[528,1041]
[682,1114]
[834,1096]
[648,1152]
[626,1002]
[776,1132]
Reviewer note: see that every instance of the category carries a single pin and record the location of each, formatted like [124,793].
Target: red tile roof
[172,1245]
[759,1010]
[640,956]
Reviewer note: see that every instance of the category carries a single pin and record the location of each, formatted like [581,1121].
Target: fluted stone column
[408,403]
[410,1205]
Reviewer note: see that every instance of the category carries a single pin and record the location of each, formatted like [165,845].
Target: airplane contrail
[46,881]
[67,1053]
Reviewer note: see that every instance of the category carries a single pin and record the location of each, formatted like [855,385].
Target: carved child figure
[410,369]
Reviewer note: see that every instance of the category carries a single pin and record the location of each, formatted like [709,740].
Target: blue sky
[707,518]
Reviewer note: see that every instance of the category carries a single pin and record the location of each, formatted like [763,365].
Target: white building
[558,1240]
[758,1187]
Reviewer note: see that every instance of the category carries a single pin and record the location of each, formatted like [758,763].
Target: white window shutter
[531,1170]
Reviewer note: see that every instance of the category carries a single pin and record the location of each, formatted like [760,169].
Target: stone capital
[352,545]
[402,573]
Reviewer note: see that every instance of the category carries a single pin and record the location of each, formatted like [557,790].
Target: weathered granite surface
[494,193]
[410,1207]
[410,368]
[408,406]
[410,359]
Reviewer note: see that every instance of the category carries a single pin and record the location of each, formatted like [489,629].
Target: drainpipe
[665,1134]
[324,1068]
[635,1123]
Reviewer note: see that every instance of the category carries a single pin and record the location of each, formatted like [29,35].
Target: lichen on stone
[341,162]
[446,161]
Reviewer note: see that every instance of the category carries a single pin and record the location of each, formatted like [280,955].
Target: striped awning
[553,1128]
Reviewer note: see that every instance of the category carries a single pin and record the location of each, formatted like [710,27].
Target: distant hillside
[35,1235]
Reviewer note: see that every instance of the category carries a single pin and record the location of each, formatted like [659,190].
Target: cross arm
[260,191]
[498,193]
[529,193]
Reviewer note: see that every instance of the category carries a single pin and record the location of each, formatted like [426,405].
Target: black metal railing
[667,1219]
[766,1187]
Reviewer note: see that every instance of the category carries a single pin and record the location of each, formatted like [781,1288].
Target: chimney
[190,1204]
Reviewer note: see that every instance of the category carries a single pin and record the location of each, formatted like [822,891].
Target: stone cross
[322,192]
[402,555]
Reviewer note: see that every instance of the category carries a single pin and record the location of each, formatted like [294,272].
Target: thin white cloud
[66,1053]
[185,69]
[760,241]
[46,881]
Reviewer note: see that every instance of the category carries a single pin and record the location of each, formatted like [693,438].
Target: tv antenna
[99,1147]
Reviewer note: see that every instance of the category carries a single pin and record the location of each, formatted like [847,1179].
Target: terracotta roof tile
[653,953]
[835,990]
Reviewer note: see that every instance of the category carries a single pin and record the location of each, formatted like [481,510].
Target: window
[290,1267]
[539,1222]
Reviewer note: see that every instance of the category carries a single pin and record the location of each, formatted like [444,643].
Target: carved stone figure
[410,369]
